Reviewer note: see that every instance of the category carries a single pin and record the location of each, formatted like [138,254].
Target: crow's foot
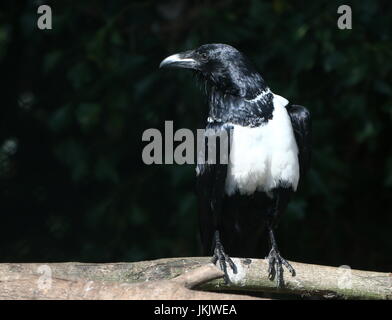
[275,267]
[223,258]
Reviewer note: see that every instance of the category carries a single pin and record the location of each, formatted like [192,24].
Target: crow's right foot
[223,258]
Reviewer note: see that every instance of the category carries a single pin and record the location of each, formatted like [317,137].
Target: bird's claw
[275,267]
[223,258]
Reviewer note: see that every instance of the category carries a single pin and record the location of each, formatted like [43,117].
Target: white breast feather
[265,156]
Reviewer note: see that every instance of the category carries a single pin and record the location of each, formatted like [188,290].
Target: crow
[269,151]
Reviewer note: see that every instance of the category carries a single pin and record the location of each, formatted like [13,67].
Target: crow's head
[222,66]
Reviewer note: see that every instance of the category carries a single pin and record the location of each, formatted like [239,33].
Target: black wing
[301,122]
[210,184]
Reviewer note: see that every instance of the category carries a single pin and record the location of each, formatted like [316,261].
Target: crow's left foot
[223,258]
[275,267]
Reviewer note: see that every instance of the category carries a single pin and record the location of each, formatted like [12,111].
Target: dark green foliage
[76,100]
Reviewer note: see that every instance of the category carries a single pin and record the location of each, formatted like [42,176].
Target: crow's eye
[203,55]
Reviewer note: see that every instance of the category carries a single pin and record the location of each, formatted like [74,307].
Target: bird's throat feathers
[249,110]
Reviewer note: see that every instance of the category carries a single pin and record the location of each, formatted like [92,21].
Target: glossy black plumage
[228,108]
[302,126]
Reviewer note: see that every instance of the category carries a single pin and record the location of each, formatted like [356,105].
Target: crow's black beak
[180,60]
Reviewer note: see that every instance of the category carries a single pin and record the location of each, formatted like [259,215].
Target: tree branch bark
[174,278]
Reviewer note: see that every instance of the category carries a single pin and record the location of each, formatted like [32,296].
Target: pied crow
[269,153]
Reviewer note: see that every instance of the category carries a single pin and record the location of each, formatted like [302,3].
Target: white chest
[265,157]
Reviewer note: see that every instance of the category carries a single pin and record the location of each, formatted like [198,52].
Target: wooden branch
[151,280]
[20,282]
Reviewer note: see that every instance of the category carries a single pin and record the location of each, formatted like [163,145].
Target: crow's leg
[222,257]
[276,262]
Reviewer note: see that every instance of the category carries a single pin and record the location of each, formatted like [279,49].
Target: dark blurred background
[76,99]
